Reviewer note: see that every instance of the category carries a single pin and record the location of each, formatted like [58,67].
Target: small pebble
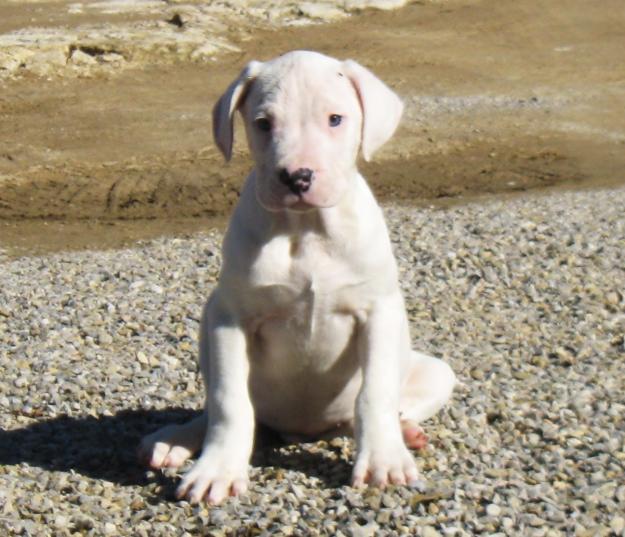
[493,510]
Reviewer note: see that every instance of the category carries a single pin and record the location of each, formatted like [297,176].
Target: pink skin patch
[414,435]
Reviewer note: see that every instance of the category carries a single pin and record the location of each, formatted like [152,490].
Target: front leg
[384,343]
[222,468]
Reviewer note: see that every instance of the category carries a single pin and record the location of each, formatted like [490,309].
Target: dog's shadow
[104,447]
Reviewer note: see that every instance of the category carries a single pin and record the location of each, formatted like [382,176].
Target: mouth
[298,202]
[284,197]
[284,200]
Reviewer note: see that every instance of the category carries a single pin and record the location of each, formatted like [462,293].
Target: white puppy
[306,331]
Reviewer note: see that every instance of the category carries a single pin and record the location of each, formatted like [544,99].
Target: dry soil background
[105,106]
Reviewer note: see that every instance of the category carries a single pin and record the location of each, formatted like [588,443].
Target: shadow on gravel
[322,460]
[105,448]
[101,448]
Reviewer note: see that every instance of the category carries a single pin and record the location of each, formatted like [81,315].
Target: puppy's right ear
[228,104]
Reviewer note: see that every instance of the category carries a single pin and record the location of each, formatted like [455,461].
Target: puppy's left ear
[228,104]
[381,107]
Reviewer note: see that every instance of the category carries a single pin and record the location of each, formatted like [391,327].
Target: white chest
[304,281]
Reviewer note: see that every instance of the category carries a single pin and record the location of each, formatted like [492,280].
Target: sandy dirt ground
[500,97]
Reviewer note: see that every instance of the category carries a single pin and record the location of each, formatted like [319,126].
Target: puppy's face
[303,121]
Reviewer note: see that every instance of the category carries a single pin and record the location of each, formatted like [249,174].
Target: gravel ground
[523,297]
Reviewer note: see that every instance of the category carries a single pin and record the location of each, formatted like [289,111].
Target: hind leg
[427,388]
[170,446]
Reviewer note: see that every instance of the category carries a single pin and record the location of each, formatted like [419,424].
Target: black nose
[299,181]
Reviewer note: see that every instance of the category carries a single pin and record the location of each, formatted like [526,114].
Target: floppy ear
[226,106]
[381,107]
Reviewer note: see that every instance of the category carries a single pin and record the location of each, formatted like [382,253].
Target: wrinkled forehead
[302,82]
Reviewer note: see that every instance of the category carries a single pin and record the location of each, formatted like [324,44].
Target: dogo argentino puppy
[306,331]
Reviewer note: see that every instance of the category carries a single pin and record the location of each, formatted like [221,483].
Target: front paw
[217,474]
[379,465]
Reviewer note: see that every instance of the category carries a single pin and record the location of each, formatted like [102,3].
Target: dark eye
[263,124]
[335,120]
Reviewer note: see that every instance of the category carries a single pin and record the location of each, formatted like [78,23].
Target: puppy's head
[306,116]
